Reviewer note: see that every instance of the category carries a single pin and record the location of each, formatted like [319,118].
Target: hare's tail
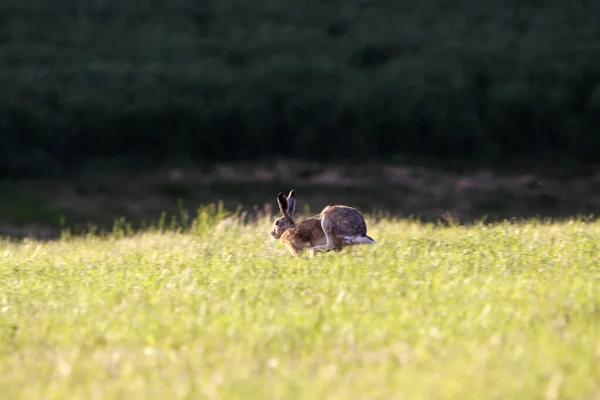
[357,239]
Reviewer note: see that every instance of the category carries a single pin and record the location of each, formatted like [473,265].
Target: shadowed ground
[42,207]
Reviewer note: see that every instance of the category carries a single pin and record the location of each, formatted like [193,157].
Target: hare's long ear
[283,203]
[291,200]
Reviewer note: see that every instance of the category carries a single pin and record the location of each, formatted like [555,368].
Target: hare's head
[287,206]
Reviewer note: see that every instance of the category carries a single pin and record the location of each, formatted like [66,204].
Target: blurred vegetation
[204,80]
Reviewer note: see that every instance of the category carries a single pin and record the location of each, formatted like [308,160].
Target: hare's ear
[283,203]
[291,200]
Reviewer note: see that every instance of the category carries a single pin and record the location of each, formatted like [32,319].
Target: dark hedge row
[323,80]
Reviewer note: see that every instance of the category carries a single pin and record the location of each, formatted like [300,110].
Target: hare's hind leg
[333,242]
[357,239]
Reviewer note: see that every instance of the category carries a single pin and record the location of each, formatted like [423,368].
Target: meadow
[219,311]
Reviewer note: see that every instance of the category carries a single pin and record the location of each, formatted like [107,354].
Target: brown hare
[332,229]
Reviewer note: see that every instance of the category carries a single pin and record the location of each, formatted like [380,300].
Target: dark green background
[176,81]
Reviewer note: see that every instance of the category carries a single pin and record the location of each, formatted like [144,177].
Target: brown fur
[335,227]
[303,235]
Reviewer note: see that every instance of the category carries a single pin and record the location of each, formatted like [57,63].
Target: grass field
[501,311]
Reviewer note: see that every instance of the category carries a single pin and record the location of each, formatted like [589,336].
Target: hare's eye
[277,222]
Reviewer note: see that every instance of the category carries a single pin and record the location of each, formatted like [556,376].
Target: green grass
[502,311]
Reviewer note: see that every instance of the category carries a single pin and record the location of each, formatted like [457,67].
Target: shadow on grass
[43,209]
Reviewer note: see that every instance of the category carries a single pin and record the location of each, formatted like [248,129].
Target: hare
[332,229]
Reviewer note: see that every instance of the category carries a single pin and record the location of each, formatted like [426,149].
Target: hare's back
[347,220]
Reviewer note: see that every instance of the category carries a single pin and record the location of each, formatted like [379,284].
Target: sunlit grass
[486,312]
